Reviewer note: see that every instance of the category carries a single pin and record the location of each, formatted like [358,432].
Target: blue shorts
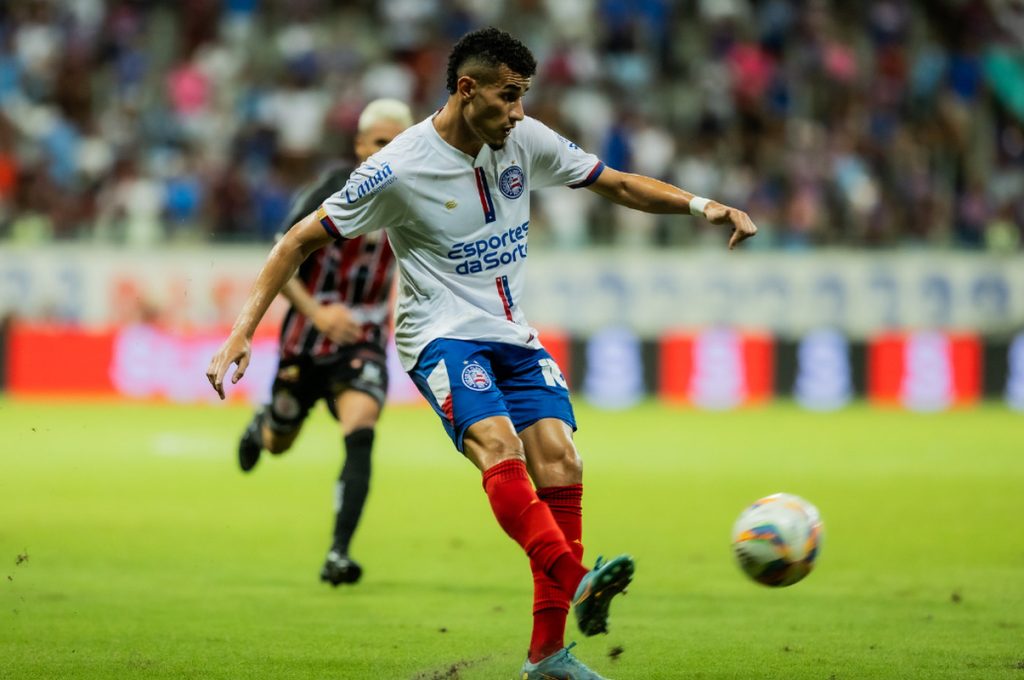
[466,381]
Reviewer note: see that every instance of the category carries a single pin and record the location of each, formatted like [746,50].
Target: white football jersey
[458,226]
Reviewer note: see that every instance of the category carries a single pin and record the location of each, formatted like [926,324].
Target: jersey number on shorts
[552,374]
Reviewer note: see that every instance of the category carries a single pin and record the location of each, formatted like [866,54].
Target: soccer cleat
[596,590]
[559,666]
[340,568]
[251,443]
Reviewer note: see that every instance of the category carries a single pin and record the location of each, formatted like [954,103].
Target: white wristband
[697,205]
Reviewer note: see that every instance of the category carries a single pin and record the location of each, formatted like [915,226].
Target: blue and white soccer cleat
[559,666]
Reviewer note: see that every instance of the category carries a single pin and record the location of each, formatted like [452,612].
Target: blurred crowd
[882,123]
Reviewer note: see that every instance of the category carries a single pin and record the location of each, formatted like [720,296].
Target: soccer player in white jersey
[453,193]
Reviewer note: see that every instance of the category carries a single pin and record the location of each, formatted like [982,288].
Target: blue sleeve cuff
[327,223]
[591,178]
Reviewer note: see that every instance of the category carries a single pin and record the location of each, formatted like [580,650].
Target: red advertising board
[134,361]
[925,371]
[53,360]
[147,362]
[716,368]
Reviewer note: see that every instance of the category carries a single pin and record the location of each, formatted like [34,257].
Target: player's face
[497,106]
[375,138]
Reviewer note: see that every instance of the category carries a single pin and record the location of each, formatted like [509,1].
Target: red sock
[530,523]
[550,602]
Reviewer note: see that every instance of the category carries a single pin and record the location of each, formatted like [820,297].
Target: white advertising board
[859,293]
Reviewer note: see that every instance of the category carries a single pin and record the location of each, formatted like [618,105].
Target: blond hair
[385,109]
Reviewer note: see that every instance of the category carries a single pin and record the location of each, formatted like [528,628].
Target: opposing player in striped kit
[453,191]
[332,344]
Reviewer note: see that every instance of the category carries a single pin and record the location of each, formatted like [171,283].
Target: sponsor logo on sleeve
[368,182]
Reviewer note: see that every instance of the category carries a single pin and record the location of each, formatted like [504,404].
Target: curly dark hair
[489,47]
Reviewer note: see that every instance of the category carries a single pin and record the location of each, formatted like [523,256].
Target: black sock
[353,487]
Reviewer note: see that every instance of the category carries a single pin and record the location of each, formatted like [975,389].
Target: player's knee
[489,451]
[567,459]
[557,466]
[503,448]
[492,441]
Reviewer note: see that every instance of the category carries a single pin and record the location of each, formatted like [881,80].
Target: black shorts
[302,381]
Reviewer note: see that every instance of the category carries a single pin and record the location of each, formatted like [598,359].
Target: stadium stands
[877,124]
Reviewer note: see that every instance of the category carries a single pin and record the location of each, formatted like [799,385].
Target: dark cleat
[340,568]
[596,590]
[251,444]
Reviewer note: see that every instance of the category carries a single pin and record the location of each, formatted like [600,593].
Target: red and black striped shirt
[356,272]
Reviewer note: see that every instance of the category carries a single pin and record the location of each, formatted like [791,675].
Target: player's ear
[466,87]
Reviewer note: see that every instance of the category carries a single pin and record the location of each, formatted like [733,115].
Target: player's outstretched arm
[654,196]
[286,256]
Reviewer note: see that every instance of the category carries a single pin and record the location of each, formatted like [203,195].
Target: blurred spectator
[8,172]
[228,213]
[129,209]
[884,123]
[184,193]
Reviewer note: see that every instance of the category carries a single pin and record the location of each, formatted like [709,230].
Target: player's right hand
[742,226]
[336,322]
[236,350]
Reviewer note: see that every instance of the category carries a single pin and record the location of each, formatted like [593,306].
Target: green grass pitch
[132,547]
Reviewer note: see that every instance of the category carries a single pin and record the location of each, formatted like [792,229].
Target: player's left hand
[237,349]
[742,226]
[337,323]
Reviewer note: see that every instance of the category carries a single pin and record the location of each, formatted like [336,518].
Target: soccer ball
[777,539]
